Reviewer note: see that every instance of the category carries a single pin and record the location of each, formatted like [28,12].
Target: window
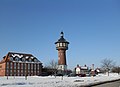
[38,71]
[10,71]
[18,66]
[11,65]
[61,44]
[38,66]
[35,66]
[16,59]
[25,66]
[21,65]
[23,59]
[11,58]
[7,63]
[30,60]
[14,65]
[21,71]
[64,44]
[35,60]
[18,71]
[28,66]
[31,66]
[56,45]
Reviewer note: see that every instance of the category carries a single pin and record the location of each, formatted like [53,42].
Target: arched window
[35,60]
[16,59]
[30,60]
[23,59]
[11,58]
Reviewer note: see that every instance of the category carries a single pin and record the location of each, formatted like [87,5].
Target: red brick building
[20,64]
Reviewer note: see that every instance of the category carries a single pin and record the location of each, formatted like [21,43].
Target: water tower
[62,46]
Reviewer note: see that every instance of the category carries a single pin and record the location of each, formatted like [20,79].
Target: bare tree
[107,65]
[116,69]
[52,65]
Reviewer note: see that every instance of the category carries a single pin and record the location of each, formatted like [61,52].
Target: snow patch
[51,81]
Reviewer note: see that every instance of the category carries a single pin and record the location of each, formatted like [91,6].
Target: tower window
[64,44]
[61,44]
[58,44]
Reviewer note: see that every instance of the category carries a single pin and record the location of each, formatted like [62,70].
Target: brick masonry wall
[2,69]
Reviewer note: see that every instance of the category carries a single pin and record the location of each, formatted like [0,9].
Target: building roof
[82,67]
[20,56]
[16,54]
[61,40]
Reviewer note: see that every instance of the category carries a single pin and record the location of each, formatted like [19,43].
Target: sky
[33,26]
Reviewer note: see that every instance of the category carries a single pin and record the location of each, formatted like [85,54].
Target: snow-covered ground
[51,81]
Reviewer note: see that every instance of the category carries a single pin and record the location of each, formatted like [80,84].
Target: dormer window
[23,59]
[16,59]
[35,60]
[30,60]
[11,58]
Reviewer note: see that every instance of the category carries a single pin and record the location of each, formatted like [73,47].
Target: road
[111,84]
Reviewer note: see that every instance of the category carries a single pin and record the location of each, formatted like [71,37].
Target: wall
[2,69]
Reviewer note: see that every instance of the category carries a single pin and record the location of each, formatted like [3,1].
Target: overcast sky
[33,26]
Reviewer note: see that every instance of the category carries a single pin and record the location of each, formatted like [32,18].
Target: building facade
[20,64]
[81,70]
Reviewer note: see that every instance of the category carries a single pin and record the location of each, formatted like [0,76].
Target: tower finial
[62,34]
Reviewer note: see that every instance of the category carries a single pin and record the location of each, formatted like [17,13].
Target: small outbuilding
[81,70]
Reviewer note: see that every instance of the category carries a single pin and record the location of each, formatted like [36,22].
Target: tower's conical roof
[61,40]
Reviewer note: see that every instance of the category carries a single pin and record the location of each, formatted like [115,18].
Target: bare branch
[107,64]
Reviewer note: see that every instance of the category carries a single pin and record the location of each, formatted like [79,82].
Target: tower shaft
[62,65]
[62,57]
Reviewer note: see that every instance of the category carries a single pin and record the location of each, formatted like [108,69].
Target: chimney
[92,67]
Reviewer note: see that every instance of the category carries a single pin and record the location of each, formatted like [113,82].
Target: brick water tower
[62,46]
